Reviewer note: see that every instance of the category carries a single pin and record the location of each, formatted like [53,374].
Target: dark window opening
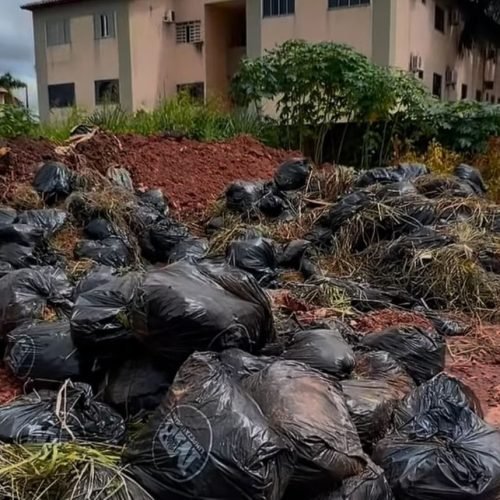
[479,95]
[278,8]
[437,85]
[439,18]
[62,95]
[492,99]
[104,25]
[107,92]
[194,90]
[464,91]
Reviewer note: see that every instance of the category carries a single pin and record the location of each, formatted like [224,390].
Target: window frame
[102,101]
[464,94]
[66,32]
[348,4]
[188,32]
[104,20]
[70,103]
[439,8]
[277,8]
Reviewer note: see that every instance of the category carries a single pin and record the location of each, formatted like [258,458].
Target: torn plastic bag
[271,205]
[43,351]
[55,416]
[371,404]
[209,440]
[120,177]
[23,234]
[98,229]
[50,220]
[28,293]
[100,323]
[306,408]
[184,307]
[256,256]
[431,394]
[292,174]
[444,451]
[191,248]
[473,177]
[161,238]
[324,350]
[346,208]
[380,365]
[7,216]
[155,198]
[293,253]
[109,252]
[421,353]
[243,197]
[97,276]
[371,484]
[135,386]
[242,364]
[18,256]
[53,181]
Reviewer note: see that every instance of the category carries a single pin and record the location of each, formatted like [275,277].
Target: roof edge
[41,4]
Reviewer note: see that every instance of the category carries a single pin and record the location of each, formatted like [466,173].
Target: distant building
[6,97]
[136,52]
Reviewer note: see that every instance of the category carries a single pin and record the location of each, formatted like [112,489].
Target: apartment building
[137,52]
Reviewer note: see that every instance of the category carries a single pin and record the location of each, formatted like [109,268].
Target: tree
[9,83]
[481,24]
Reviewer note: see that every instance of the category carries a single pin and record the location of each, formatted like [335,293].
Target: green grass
[179,115]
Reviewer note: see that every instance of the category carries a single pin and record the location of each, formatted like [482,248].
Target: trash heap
[154,364]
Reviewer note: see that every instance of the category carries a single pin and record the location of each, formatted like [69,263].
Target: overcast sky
[16,45]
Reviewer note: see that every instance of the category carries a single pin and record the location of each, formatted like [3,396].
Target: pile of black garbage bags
[180,345]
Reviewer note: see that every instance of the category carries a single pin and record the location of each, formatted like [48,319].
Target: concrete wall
[85,59]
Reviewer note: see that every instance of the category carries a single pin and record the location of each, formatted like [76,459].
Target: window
[194,90]
[492,99]
[464,91]
[107,92]
[104,25]
[333,4]
[62,95]
[439,18]
[437,85]
[278,7]
[189,32]
[58,32]
[479,95]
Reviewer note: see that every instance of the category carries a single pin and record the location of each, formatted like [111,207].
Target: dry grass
[65,240]
[325,295]
[24,197]
[328,183]
[481,345]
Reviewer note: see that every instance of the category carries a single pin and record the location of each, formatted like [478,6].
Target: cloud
[16,46]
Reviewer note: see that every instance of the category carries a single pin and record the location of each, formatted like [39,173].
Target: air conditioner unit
[455,17]
[416,63]
[169,17]
[451,76]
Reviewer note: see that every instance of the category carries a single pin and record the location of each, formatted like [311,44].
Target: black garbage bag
[43,351]
[5,268]
[161,238]
[293,253]
[7,215]
[243,197]
[100,320]
[324,350]
[111,251]
[65,415]
[23,234]
[135,386]
[184,307]
[421,353]
[371,404]
[380,365]
[191,248]
[292,174]
[25,294]
[448,324]
[320,237]
[410,171]
[50,220]
[371,484]
[444,451]
[19,256]
[53,181]
[98,229]
[429,395]
[380,175]
[241,364]
[271,205]
[307,408]
[97,276]
[256,256]
[346,208]
[403,188]
[144,215]
[156,199]
[473,177]
[209,440]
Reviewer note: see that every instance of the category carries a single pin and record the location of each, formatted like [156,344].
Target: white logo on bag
[186,456]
